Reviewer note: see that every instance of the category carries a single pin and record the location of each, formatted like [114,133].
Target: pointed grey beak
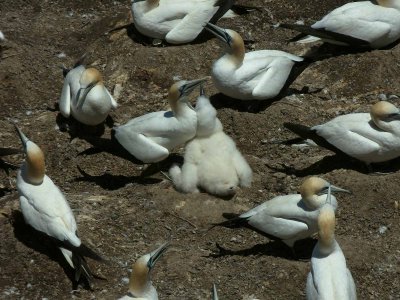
[219,32]
[328,197]
[336,189]
[202,93]
[393,117]
[156,254]
[80,98]
[22,136]
[189,86]
[214,293]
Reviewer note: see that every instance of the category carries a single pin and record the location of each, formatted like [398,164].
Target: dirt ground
[124,215]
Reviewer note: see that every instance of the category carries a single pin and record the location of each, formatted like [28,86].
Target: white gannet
[370,137]
[150,137]
[211,161]
[362,23]
[256,75]
[329,277]
[290,217]
[45,208]
[84,96]
[176,21]
[140,285]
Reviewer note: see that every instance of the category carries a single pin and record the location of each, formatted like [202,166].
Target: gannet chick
[140,285]
[329,277]
[45,208]
[370,137]
[150,137]
[290,217]
[374,24]
[84,96]
[256,75]
[211,161]
[178,21]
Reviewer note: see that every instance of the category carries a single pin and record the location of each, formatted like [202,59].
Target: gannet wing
[114,103]
[242,168]
[311,291]
[65,99]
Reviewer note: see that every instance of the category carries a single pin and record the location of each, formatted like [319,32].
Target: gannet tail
[234,221]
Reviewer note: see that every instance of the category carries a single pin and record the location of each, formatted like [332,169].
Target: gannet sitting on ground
[150,137]
[256,75]
[45,208]
[211,161]
[370,137]
[84,96]
[140,285]
[291,217]
[362,23]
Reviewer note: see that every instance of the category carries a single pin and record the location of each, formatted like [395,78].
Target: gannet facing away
[45,208]
[370,137]
[84,96]
[140,285]
[291,217]
[256,75]
[150,137]
[329,277]
[362,23]
[211,161]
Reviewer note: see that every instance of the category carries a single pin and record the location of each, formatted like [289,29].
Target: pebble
[382,97]
[382,229]
[125,280]
[61,55]
[117,90]
[2,37]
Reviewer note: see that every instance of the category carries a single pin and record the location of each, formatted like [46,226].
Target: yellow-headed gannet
[45,208]
[140,285]
[84,96]
[150,137]
[291,217]
[370,137]
[211,161]
[256,75]
[373,24]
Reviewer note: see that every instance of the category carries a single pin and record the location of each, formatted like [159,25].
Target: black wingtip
[234,221]
[87,252]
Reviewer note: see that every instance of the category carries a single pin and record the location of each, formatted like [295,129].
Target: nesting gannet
[362,23]
[84,96]
[291,217]
[45,208]
[140,285]
[176,21]
[150,137]
[256,75]
[211,161]
[329,277]
[370,137]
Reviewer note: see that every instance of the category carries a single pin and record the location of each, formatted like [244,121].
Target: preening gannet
[150,137]
[256,75]
[291,217]
[211,161]
[84,96]
[45,208]
[176,21]
[370,137]
[373,24]
[329,277]
[140,285]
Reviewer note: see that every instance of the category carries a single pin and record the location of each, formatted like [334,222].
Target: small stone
[61,55]
[382,97]
[382,229]
[125,280]
[117,90]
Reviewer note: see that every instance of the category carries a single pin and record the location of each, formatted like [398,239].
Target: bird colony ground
[124,214]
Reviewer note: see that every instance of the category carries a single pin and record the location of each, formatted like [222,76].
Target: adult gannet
[151,137]
[140,285]
[84,96]
[45,208]
[370,137]
[374,24]
[291,217]
[256,75]
[211,161]
[329,277]
[176,21]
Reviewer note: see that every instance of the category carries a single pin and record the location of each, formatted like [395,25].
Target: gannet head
[233,40]
[312,188]
[389,3]
[326,228]
[139,282]
[382,113]
[34,165]
[90,78]
[179,91]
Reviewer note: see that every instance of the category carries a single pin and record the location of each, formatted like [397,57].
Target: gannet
[84,96]
[211,161]
[290,217]
[373,24]
[329,277]
[45,208]
[176,21]
[256,75]
[370,137]
[150,137]
[140,285]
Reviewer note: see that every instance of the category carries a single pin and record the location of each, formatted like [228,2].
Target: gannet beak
[156,254]
[332,189]
[135,1]
[393,117]
[202,93]
[218,32]
[80,99]
[328,197]
[189,86]
[22,136]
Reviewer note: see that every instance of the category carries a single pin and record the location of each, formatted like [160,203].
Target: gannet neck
[309,192]
[326,229]
[389,3]
[235,50]
[139,282]
[89,77]
[385,115]
[177,102]
[34,166]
